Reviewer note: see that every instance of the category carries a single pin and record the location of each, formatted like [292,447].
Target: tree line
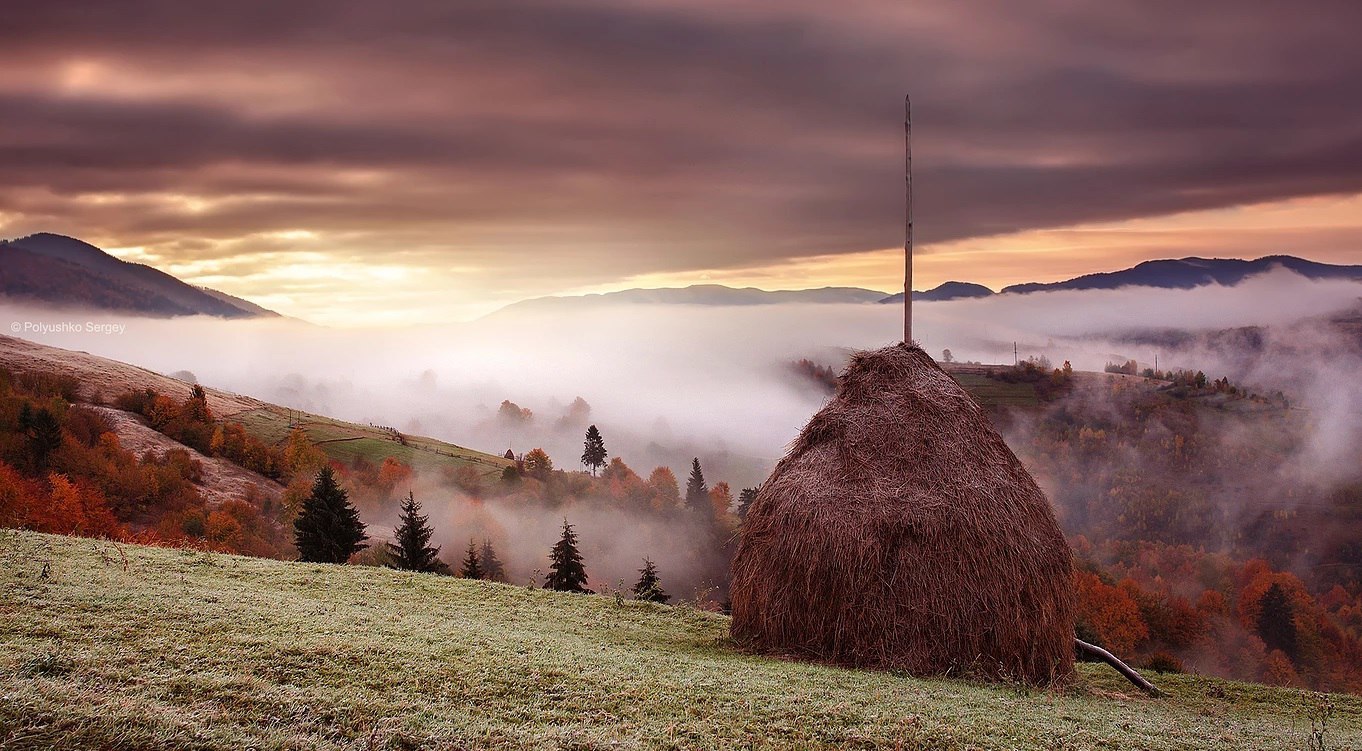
[328,529]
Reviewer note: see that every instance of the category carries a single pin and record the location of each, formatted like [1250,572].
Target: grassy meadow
[106,646]
[347,441]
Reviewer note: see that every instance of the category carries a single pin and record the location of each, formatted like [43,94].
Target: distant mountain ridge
[1189,273]
[700,294]
[946,291]
[1181,273]
[63,271]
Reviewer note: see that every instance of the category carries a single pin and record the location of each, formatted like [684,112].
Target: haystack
[900,532]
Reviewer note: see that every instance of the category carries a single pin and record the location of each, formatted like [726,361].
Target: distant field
[994,393]
[345,441]
[126,647]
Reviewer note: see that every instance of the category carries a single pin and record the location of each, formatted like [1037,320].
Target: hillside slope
[103,380]
[222,480]
[105,646]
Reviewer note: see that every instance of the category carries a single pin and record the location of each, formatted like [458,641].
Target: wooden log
[1122,668]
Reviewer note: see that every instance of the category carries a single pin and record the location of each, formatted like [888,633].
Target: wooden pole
[1122,668]
[908,219]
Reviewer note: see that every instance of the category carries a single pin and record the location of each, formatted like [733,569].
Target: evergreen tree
[745,499]
[412,550]
[328,529]
[1277,621]
[44,433]
[566,572]
[593,450]
[510,476]
[472,568]
[697,492]
[649,586]
[492,568]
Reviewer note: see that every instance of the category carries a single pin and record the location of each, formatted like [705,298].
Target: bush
[1163,662]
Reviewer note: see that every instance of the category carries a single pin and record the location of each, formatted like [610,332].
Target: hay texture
[900,532]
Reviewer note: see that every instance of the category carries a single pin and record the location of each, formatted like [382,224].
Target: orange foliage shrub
[1110,612]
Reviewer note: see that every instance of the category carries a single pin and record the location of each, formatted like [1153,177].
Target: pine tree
[412,550]
[328,529]
[472,569]
[1276,621]
[593,450]
[492,568]
[566,572]
[697,492]
[649,586]
[44,433]
[745,499]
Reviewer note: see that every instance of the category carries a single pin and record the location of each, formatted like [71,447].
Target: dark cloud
[692,134]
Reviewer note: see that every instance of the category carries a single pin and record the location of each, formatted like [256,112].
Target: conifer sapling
[566,572]
[492,568]
[649,586]
[472,568]
[411,550]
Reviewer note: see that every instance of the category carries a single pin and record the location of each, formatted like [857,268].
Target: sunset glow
[437,164]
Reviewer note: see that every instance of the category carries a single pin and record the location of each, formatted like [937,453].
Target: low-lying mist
[665,383]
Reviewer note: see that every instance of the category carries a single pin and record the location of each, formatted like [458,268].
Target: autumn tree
[328,529]
[649,586]
[191,422]
[492,568]
[538,464]
[1110,614]
[593,450]
[512,413]
[392,474]
[577,414]
[721,501]
[624,486]
[412,550]
[566,572]
[77,508]
[195,408]
[697,492]
[666,493]
[1277,620]
[301,455]
[472,567]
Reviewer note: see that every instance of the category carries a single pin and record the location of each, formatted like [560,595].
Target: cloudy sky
[358,161]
